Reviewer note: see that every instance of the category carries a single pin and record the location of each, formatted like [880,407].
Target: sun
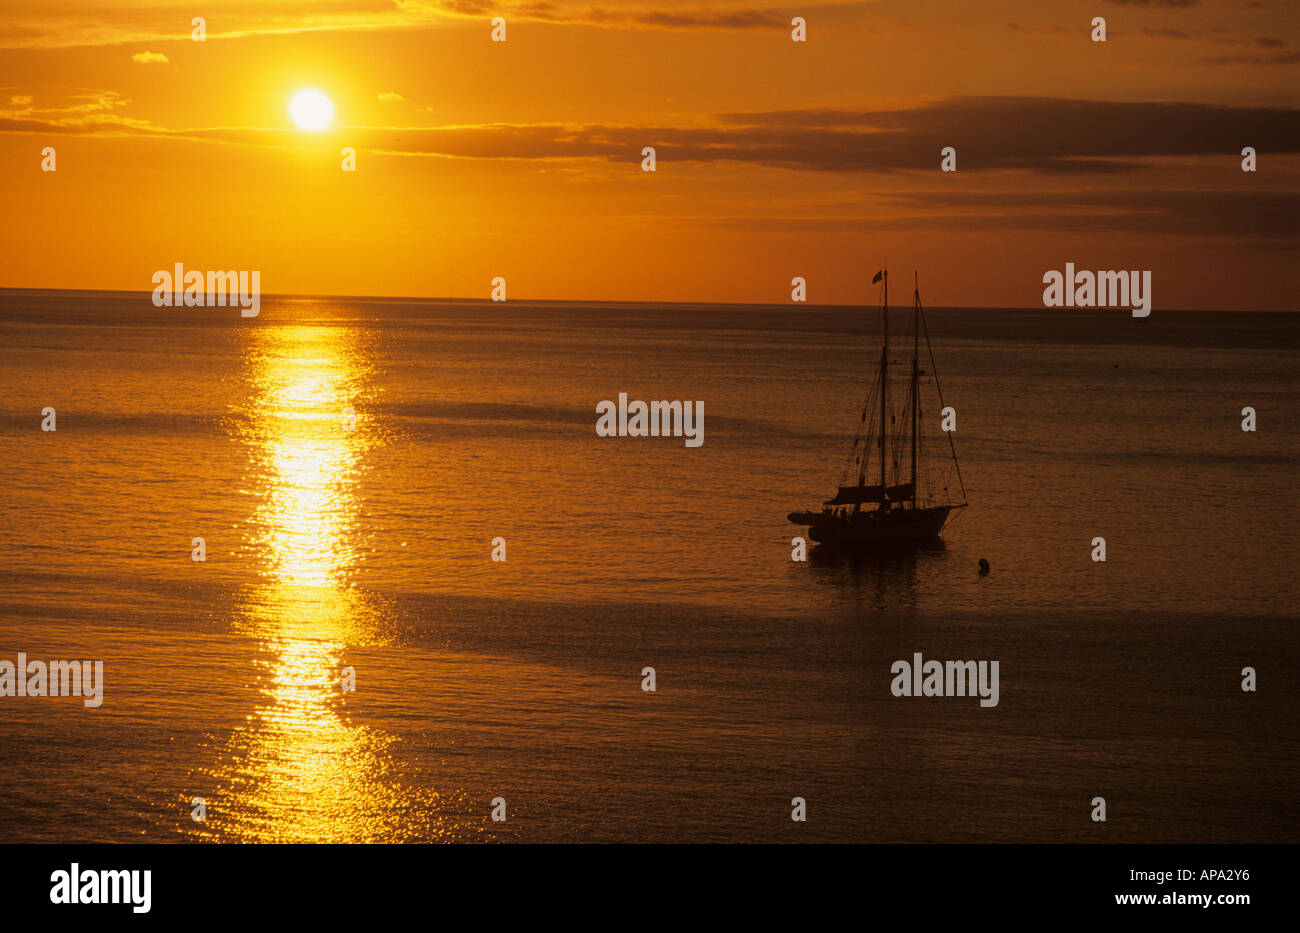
[311,110]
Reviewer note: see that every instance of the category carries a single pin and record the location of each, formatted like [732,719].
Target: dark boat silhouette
[894,509]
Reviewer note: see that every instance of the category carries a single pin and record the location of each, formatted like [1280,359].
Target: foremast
[916,375]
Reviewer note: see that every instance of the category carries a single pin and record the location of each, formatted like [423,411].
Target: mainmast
[884,387]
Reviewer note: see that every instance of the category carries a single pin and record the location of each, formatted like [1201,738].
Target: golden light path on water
[299,771]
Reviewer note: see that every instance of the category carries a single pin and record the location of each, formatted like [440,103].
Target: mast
[884,387]
[916,372]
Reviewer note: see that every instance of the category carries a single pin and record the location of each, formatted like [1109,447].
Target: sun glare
[311,110]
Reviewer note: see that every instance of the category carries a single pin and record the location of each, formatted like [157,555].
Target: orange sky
[522,159]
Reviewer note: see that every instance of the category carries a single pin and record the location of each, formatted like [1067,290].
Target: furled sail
[854,495]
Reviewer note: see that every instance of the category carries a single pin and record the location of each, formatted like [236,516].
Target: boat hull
[874,529]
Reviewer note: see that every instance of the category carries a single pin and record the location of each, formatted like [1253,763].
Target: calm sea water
[475,679]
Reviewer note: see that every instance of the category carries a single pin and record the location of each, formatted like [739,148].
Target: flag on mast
[878,275]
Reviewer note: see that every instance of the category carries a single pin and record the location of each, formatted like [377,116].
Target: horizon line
[624,301]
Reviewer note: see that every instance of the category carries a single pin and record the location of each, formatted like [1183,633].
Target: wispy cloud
[1254,214]
[148,58]
[1276,58]
[1174,4]
[1267,218]
[1056,30]
[34,24]
[65,109]
[721,16]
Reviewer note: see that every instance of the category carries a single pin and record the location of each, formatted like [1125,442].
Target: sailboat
[903,503]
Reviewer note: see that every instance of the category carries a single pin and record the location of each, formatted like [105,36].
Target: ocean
[349,463]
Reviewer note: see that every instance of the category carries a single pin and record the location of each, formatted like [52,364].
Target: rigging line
[898,434]
[934,370]
[874,430]
[858,436]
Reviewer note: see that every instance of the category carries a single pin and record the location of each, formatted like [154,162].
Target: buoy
[984,567]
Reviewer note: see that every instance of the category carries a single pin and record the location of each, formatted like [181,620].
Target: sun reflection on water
[307,378]
[299,771]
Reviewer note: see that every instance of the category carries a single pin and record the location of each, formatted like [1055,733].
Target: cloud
[647,15]
[1278,58]
[65,109]
[1048,136]
[1046,139]
[1254,214]
[735,19]
[1057,30]
[148,58]
[1267,218]
[391,96]
[30,24]
[1212,35]
[1042,134]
